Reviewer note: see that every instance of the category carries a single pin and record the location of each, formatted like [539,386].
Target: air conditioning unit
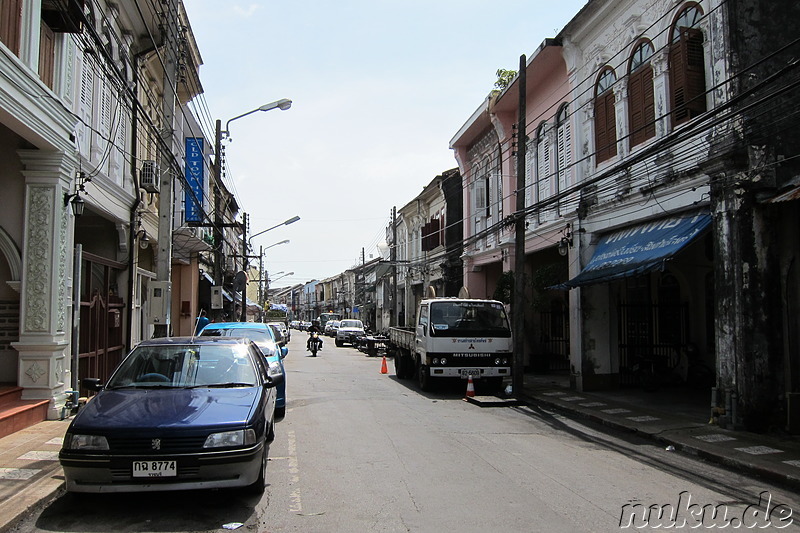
[149,176]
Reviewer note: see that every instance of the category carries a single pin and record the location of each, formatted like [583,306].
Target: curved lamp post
[283,104]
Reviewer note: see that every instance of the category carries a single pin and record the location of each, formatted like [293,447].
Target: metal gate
[650,331]
[101,344]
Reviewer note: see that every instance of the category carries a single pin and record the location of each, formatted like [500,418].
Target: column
[44,368]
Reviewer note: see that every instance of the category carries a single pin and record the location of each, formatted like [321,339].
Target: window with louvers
[605,125]
[47,51]
[640,95]
[687,75]
[10,21]
[431,235]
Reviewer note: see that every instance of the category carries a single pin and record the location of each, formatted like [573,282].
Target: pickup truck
[455,338]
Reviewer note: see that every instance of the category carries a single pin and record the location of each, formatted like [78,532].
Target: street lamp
[284,223]
[283,104]
[279,277]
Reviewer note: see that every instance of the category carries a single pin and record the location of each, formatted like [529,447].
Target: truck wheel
[398,367]
[424,377]
[403,367]
[339,343]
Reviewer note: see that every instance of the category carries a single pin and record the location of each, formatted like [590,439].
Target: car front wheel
[260,484]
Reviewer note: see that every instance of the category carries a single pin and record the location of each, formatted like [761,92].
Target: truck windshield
[468,319]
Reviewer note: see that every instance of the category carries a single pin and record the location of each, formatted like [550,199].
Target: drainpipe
[132,233]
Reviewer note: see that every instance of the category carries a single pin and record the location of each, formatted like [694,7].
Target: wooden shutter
[641,105]
[692,41]
[605,125]
[10,22]
[687,76]
[564,156]
[543,174]
[47,51]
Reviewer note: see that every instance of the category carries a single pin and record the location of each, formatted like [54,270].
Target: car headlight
[241,437]
[274,370]
[85,442]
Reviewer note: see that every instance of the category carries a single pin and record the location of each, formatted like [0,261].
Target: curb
[763,472]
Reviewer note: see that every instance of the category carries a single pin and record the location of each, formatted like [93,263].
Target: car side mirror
[93,384]
[274,381]
[284,351]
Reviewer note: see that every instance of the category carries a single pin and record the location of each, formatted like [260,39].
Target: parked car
[349,330]
[277,333]
[304,325]
[178,413]
[287,335]
[294,324]
[330,328]
[264,338]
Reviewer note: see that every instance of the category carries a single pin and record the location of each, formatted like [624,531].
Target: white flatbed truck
[455,338]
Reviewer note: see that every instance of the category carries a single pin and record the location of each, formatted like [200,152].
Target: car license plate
[154,469]
[467,372]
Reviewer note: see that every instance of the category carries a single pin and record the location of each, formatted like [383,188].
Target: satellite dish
[240,281]
[463,293]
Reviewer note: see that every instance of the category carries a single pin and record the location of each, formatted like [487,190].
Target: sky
[379,88]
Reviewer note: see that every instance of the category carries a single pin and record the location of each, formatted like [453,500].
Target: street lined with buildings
[363,451]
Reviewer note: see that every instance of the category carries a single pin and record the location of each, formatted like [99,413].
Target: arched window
[564,148]
[542,163]
[687,77]
[605,124]
[641,101]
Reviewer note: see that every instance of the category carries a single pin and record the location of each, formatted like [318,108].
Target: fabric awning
[639,249]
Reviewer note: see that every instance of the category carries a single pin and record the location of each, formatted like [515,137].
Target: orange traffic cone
[470,388]
[384,370]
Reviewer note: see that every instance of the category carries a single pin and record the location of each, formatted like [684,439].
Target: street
[362,451]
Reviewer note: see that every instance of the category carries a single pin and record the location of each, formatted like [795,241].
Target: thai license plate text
[154,469]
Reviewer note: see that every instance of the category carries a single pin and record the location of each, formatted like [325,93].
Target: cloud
[246,12]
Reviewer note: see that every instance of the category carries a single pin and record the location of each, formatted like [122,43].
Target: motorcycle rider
[314,328]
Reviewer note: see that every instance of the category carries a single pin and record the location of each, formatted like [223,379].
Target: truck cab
[456,338]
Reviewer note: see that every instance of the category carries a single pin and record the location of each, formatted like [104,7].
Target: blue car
[178,413]
[264,337]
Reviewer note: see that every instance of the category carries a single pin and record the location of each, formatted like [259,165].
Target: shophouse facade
[83,108]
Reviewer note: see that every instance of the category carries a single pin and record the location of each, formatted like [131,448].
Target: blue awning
[639,249]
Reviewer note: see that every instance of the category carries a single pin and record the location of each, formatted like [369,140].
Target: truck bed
[402,337]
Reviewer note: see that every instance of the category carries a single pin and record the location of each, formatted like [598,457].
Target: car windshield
[255,335]
[264,338]
[351,324]
[465,319]
[176,366]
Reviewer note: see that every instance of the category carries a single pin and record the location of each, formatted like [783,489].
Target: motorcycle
[315,344]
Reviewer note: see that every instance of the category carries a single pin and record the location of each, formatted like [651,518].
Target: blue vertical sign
[193,196]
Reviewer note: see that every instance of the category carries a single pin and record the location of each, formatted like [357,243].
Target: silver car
[349,330]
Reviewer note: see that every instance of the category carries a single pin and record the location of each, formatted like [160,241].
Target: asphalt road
[361,451]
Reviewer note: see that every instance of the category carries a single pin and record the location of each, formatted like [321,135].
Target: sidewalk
[30,472]
[29,468]
[674,417]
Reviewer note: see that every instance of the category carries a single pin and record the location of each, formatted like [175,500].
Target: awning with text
[639,249]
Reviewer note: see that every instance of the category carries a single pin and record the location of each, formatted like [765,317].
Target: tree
[504,78]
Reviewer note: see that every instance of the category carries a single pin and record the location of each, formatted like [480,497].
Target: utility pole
[169,41]
[218,235]
[393,259]
[363,298]
[261,280]
[518,301]
[244,267]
